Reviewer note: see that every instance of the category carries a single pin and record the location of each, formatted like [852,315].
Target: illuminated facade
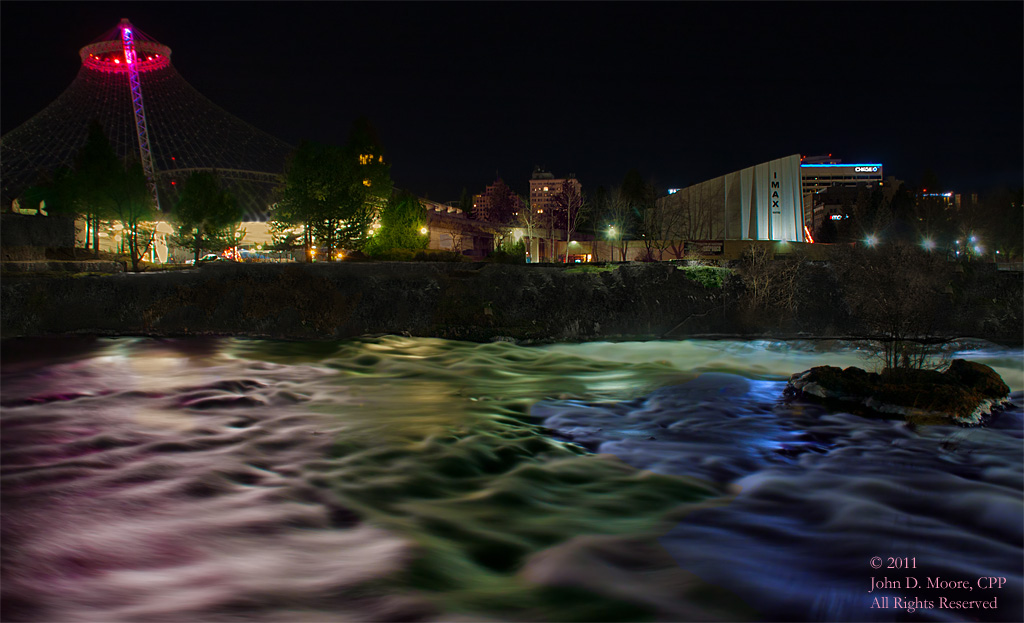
[818,177]
[544,187]
[770,201]
[176,132]
[762,202]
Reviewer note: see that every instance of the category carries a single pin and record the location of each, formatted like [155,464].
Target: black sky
[681,91]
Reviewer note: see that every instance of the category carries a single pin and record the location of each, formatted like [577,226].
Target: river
[398,478]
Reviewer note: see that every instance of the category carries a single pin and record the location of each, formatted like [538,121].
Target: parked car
[213,257]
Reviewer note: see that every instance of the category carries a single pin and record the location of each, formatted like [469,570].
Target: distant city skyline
[682,92]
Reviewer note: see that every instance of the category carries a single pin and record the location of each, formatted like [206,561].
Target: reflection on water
[398,478]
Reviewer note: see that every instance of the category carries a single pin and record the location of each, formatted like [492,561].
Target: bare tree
[570,209]
[621,221]
[660,225]
[529,220]
[457,235]
[897,291]
[771,283]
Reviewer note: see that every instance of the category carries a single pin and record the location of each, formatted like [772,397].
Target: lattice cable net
[186,131]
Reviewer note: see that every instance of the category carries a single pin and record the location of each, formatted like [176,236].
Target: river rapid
[395,478]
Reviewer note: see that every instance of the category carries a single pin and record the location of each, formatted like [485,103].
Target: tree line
[103,189]
[332,198]
[976,225]
[329,198]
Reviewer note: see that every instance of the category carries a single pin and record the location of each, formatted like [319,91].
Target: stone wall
[48,232]
[477,302]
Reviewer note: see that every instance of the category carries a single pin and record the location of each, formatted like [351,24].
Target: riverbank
[474,302]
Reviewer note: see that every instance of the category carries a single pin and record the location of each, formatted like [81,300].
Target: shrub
[393,255]
[585,269]
[439,255]
[771,283]
[707,276]
[514,253]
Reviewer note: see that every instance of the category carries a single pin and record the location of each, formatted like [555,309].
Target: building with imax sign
[763,202]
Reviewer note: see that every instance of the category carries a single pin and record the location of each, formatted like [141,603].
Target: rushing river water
[421,479]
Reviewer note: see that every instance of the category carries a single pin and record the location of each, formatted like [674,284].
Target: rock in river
[963,394]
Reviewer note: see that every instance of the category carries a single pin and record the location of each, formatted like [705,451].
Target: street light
[612,233]
[871,240]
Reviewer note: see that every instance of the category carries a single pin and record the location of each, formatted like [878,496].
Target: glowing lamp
[423,230]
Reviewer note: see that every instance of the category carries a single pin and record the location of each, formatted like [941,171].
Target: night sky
[680,91]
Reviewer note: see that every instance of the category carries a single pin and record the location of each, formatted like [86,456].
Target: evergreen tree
[466,203]
[402,222]
[206,214]
[97,171]
[334,193]
[504,203]
[132,206]
[635,191]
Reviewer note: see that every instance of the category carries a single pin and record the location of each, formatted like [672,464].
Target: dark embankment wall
[30,237]
[455,301]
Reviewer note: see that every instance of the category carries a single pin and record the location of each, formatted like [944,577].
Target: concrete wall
[47,232]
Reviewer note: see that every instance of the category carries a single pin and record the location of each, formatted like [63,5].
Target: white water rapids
[421,479]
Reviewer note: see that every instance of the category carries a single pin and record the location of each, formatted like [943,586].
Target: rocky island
[964,394]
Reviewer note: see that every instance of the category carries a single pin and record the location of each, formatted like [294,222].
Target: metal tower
[127,42]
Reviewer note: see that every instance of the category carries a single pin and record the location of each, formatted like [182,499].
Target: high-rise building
[148,111]
[544,187]
[821,173]
[497,203]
